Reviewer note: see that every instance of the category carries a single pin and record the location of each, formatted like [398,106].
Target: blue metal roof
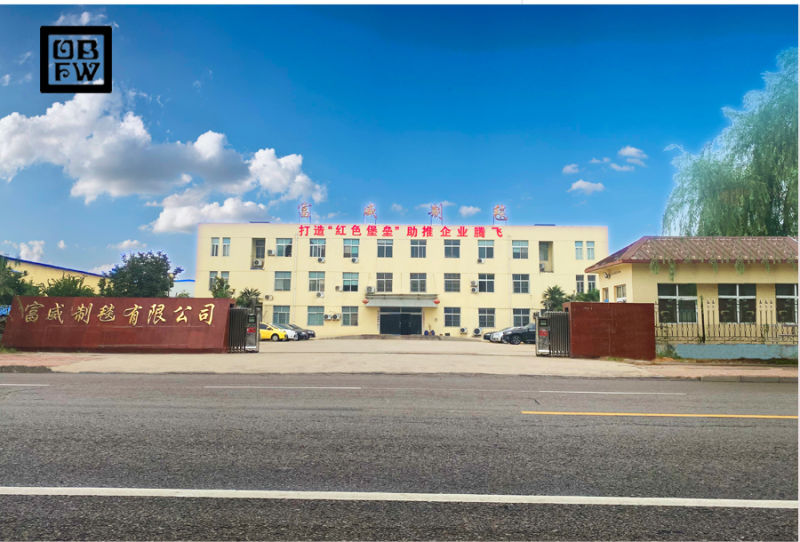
[10,259]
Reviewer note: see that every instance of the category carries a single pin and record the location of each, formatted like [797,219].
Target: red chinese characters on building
[340,230]
[387,231]
[411,231]
[319,230]
[356,231]
[427,231]
[372,230]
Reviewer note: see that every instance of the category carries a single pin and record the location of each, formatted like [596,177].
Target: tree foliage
[553,298]
[248,297]
[587,297]
[68,286]
[13,283]
[744,182]
[141,275]
[221,288]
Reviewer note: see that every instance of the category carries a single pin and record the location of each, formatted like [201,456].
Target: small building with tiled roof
[706,280]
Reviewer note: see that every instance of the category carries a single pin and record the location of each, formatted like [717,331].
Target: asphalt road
[379,433]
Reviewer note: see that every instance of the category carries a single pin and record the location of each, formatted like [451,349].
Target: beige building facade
[352,279]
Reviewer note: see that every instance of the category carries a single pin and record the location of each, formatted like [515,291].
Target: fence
[707,328]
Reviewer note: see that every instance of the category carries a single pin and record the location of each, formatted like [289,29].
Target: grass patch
[4,350]
[24,369]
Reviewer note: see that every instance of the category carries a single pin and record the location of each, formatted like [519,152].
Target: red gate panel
[625,330]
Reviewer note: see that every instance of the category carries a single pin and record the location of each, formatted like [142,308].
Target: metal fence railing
[762,328]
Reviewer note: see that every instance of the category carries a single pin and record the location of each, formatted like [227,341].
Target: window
[384,248]
[351,248]
[317,248]
[619,292]
[316,281]
[519,250]
[786,303]
[417,282]
[592,283]
[522,317]
[225,275]
[677,303]
[349,282]
[545,256]
[315,316]
[520,283]
[280,314]
[283,281]
[212,276]
[215,246]
[349,316]
[226,246]
[590,250]
[283,247]
[259,249]
[544,251]
[452,317]
[578,250]
[452,248]
[485,317]
[485,249]
[418,248]
[737,303]
[384,282]
[452,282]
[578,284]
[486,282]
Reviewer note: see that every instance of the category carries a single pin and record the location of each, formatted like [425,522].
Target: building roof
[20,260]
[704,250]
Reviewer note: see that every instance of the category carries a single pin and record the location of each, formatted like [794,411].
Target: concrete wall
[734,351]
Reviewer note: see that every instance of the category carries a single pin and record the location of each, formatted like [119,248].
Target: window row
[315,315]
[677,303]
[589,250]
[486,317]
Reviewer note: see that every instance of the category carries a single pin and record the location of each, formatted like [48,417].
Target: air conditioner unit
[541,268]
[370,290]
[327,316]
[354,259]
[320,294]
[258,263]
[474,289]
[334,316]
[476,332]
[338,288]
[480,260]
[270,253]
[463,330]
[268,297]
[473,283]
[321,259]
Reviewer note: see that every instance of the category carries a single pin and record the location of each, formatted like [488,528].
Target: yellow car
[272,333]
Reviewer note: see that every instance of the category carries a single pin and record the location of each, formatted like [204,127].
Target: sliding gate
[552,334]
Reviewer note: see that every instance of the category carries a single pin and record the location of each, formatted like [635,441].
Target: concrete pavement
[393,357]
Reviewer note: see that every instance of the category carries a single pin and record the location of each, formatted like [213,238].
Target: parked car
[310,333]
[271,333]
[292,333]
[496,336]
[517,335]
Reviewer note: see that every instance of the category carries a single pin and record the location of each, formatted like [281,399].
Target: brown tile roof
[704,250]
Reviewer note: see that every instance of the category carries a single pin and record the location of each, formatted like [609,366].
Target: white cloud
[605,160]
[62,245]
[109,151]
[27,78]
[586,187]
[80,19]
[23,58]
[617,167]
[197,84]
[632,152]
[636,161]
[5,80]
[129,244]
[397,208]
[333,214]
[32,250]
[427,206]
[182,212]
[100,269]
[468,210]
[569,169]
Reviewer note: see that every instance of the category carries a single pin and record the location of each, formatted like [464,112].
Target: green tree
[248,297]
[12,283]
[744,182]
[141,275]
[68,286]
[553,298]
[221,288]
[586,297]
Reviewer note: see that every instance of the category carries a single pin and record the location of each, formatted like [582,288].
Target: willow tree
[744,181]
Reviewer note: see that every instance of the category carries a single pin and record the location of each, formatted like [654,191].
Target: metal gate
[552,334]
[237,330]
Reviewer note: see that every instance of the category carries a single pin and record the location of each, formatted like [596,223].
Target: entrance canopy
[401,300]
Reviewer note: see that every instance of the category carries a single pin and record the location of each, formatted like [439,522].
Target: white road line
[284,387]
[396,497]
[612,392]
[26,385]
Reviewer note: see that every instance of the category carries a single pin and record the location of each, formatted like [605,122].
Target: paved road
[395,434]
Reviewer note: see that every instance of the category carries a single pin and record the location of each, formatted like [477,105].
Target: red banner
[121,324]
[373,230]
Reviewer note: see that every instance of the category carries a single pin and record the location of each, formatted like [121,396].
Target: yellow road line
[659,415]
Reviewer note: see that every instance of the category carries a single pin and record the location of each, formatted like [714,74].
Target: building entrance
[401,321]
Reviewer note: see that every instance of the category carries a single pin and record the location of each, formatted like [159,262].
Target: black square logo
[75,59]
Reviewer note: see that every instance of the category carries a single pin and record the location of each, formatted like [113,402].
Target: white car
[291,334]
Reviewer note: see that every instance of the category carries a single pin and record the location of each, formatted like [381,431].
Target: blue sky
[561,113]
